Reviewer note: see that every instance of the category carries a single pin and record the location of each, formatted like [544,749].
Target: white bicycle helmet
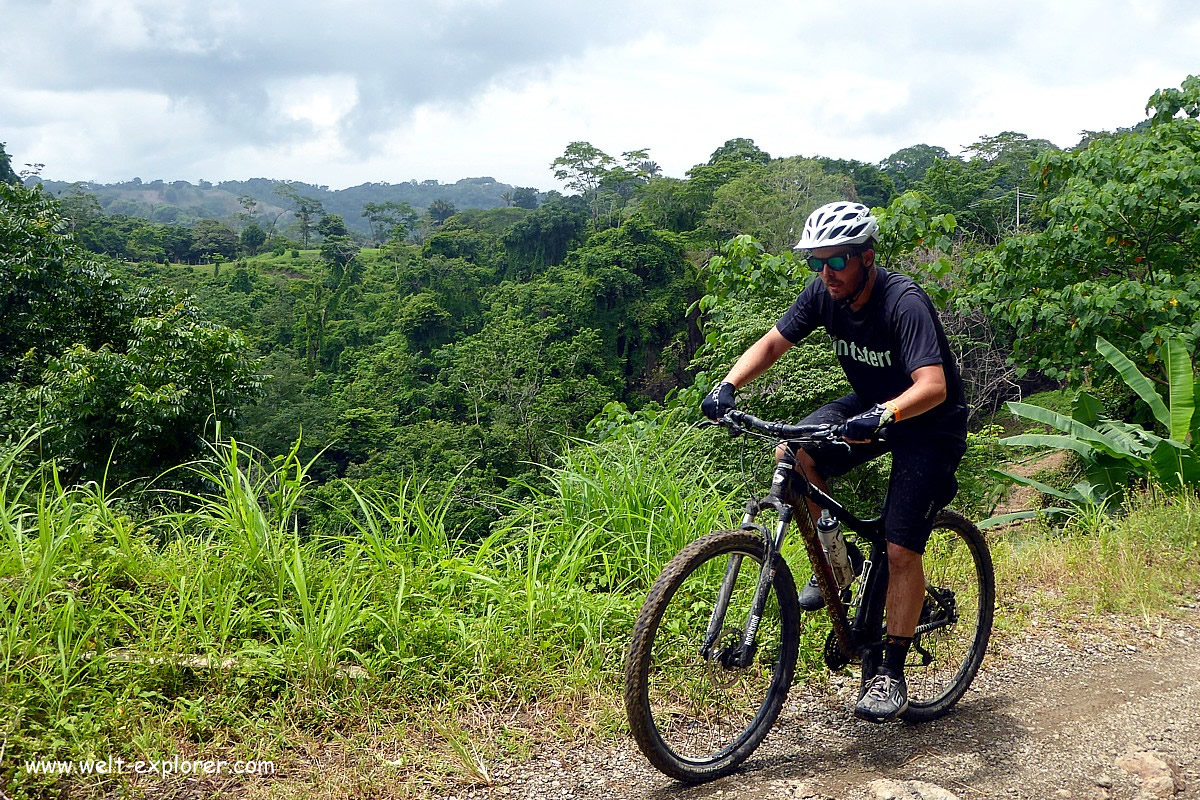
[841,222]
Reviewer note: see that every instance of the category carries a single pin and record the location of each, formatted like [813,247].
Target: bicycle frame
[789,491]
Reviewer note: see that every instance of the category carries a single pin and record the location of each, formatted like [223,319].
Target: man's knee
[804,462]
[901,559]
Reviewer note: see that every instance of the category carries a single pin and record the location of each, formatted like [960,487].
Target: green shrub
[1115,453]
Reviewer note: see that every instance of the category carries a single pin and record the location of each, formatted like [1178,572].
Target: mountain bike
[715,646]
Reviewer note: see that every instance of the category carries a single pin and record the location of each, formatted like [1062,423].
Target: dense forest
[276,204]
[461,369]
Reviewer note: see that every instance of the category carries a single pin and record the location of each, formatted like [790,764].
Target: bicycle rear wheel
[697,718]
[956,621]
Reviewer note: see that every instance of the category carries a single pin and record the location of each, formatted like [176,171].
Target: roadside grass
[393,652]
[1144,563]
[229,626]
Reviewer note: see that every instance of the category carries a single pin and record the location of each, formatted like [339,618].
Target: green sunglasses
[835,263]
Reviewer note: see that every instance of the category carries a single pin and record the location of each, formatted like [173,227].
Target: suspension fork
[796,490]
[787,494]
[747,647]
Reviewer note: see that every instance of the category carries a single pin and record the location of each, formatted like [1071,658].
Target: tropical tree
[6,171]
[667,204]
[525,197]
[533,378]
[734,158]
[249,213]
[543,238]
[582,167]
[735,150]
[213,238]
[52,295]
[771,202]
[1119,255]
[972,191]
[131,411]
[306,209]
[145,243]
[99,371]
[908,165]
[252,238]
[332,225]
[872,186]
[390,219]
[79,207]
[650,168]
[441,210]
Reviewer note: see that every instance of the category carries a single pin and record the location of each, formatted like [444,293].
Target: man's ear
[868,257]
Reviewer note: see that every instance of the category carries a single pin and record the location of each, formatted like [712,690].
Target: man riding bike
[889,340]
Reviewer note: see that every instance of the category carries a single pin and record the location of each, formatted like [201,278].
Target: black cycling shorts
[923,464]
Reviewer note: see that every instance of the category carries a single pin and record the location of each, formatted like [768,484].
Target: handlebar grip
[839,431]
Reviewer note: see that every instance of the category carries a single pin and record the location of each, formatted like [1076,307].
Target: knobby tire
[673,696]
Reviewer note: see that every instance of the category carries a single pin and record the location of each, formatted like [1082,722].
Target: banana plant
[1115,453]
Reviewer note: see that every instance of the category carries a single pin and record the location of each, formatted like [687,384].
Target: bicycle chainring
[835,659]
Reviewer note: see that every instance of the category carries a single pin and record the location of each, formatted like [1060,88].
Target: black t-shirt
[880,345]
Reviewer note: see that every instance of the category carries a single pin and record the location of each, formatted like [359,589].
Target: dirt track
[1046,718]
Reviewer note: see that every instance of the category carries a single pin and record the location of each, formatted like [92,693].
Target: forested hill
[468,347]
[183,202]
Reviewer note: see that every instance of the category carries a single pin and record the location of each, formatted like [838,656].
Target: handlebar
[741,422]
[781,430]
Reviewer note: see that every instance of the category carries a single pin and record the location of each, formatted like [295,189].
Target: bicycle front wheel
[956,620]
[696,716]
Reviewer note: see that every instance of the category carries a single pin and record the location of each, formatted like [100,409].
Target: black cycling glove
[719,401]
[867,424]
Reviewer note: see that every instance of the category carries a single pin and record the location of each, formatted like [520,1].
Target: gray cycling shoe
[885,699]
[810,598]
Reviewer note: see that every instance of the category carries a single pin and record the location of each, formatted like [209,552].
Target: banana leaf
[1175,464]
[1074,428]
[1041,487]
[1136,439]
[1050,440]
[1181,386]
[1015,516]
[1134,378]
[1086,409]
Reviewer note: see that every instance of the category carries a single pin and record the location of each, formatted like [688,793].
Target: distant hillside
[183,202]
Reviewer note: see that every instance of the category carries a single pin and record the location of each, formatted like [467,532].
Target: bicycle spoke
[956,620]
[696,716]
[700,706]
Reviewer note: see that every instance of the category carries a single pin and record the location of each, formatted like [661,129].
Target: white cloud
[341,93]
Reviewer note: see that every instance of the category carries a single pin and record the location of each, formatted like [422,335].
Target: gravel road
[1047,717]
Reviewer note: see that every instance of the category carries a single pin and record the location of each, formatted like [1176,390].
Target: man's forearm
[758,358]
[927,392]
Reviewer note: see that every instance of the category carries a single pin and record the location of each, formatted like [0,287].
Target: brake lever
[734,429]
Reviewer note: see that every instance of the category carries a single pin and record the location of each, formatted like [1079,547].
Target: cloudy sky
[343,92]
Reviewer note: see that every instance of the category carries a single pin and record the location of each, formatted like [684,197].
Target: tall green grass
[108,616]
[1143,563]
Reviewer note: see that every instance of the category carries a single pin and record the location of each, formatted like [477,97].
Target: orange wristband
[895,409]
